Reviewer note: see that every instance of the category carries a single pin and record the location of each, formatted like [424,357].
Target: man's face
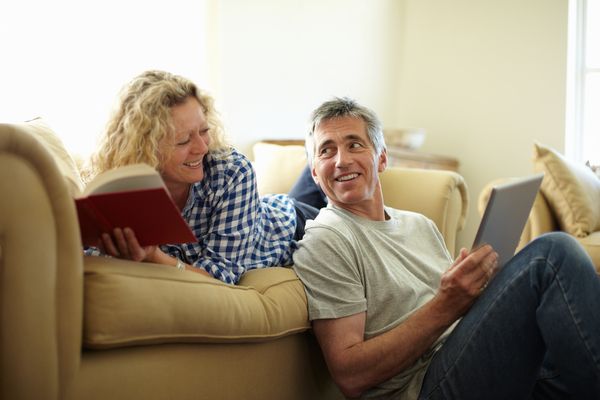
[345,164]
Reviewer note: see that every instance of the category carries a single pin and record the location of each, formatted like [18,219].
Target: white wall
[486,78]
[65,60]
[279,59]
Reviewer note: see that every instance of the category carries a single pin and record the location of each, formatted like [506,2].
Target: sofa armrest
[540,220]
[42,273]
[437,194]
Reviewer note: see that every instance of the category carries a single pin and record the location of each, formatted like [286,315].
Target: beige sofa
[75,327]
[569,201]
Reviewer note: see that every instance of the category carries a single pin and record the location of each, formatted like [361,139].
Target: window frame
[577,73]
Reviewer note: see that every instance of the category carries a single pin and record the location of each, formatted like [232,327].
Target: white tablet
[506,214]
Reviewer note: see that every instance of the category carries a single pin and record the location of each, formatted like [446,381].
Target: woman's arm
[125,245]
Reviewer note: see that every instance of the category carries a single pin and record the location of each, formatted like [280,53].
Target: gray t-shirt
[350,264]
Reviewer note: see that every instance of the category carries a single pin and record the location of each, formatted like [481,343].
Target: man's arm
[357,364]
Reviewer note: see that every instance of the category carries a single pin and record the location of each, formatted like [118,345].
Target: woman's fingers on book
[136,252]
[123,243]
[109,245]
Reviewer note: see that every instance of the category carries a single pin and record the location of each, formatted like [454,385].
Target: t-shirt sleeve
[440,240]
[329,268]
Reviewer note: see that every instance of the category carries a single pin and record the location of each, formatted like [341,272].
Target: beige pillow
[572,190]
[277,167]
[67,166]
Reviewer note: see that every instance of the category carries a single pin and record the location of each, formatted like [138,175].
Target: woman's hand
[123,244]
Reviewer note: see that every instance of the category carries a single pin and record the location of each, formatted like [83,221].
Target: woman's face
[184,149]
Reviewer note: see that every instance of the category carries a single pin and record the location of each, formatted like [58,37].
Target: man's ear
[313,172]
[382,162]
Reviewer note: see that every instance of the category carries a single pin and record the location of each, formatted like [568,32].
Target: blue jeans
[533,333]
[304,212]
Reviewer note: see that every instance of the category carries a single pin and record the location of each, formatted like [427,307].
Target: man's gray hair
[340,107]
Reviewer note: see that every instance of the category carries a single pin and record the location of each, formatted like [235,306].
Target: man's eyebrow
[324,143]
[347,138]
[353,136]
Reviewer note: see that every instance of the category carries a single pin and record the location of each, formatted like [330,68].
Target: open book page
[129,177]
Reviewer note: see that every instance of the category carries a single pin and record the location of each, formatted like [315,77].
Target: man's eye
[355,145]
[325,151]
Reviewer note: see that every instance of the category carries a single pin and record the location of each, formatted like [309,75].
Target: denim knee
[557,247]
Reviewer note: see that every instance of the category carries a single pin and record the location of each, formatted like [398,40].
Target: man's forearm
[376,360]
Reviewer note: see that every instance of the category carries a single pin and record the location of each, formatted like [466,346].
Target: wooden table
[398,156]
[402,157]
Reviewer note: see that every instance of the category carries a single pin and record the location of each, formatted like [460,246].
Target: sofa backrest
[440,195]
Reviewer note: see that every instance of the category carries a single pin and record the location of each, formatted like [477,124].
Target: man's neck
[372,209]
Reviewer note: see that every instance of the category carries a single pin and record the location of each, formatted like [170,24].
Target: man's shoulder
[331,225]
[405,215]
[330,217]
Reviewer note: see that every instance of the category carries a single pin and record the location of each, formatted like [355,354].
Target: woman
[165,121]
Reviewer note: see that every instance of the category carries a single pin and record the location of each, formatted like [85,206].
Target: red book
[133,197]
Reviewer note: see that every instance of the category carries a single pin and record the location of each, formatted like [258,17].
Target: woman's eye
[183,142]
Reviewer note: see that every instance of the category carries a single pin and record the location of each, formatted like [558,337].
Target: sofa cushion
[67,166]
[128,303]
[572,190]
[277,167]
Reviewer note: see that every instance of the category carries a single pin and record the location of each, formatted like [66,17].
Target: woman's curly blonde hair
[142,119]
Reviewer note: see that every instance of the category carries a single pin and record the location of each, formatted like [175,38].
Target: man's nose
[343,158]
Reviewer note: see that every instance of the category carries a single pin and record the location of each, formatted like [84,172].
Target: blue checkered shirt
[237,230]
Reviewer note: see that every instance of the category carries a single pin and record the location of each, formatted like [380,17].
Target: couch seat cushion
[129,303]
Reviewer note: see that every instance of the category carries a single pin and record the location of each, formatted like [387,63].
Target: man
[397,318]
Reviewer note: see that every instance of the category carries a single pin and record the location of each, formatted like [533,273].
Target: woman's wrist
[159,257]
[162,258]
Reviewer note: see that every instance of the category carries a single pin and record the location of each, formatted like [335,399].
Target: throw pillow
[572,190]
[38,128]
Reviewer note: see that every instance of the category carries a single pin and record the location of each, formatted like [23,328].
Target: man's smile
[346,177]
